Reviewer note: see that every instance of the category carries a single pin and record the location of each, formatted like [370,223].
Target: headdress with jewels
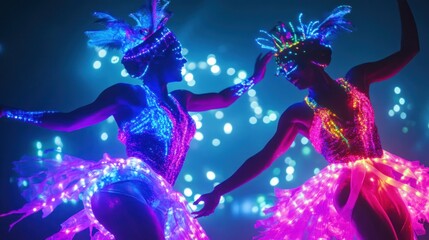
[140,43]
[304,42]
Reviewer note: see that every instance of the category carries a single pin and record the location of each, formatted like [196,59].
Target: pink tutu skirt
[310,211]
[49,182]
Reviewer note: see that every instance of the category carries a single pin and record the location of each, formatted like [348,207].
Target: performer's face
[302,76]
[173,63]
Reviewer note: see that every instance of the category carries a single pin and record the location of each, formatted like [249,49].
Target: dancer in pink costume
[129,198]
[364,192]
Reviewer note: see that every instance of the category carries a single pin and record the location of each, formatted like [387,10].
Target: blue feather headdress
[121,35]
[311,41]
[141,43]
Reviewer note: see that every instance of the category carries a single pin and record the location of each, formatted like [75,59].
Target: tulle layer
[50,182]
[311,212]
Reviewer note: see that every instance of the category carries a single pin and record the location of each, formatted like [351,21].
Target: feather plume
[118,34]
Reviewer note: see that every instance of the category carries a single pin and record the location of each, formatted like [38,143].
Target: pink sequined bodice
[345,141]
[160,134]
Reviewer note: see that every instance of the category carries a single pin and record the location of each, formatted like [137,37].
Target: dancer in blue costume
[129,198]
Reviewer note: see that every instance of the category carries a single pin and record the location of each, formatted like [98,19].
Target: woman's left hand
[211,200]
[261,66]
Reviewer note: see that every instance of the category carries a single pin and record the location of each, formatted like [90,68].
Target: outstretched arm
[224,98]
[290,124]
[389,66]
[105,105]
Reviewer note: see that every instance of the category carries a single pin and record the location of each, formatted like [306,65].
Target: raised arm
[389,66]
[290,124]
[106,104]
[224,98]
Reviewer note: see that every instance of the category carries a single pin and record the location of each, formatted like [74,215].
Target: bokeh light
[225,138]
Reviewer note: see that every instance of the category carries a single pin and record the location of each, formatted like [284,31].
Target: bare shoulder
[120,89]
[182,96]
[129,99]
[299,114]
[124,92]
[356,77]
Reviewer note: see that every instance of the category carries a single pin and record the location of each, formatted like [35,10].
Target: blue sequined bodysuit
[156,141]
[161,134]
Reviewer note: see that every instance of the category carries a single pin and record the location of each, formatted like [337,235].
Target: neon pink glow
[355,156]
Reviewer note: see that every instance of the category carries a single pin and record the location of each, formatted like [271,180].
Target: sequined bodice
[159,135]
[344,141]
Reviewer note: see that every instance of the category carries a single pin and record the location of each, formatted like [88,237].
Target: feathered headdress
[121,35]
[305,41]
[141,43]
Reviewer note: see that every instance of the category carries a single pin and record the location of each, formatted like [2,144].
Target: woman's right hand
[211,200]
